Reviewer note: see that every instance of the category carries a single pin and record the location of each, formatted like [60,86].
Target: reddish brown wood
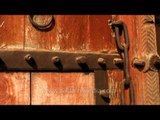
[101,39]
[73,32]
[69,34]
[100,33]
[142,42]
[76,33]
[14,87]
[62,89]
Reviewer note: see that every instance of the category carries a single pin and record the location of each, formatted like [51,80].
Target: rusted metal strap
[55,61]
[101,87]
[46,61]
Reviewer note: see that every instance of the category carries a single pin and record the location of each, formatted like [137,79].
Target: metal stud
[101,61]
[28,58]
[118,61]
[138,63]
[81,60]
[55,59]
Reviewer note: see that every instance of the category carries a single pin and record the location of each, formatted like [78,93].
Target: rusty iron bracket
[36,61]
[55,61]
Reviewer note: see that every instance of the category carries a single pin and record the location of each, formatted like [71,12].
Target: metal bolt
[101,61]
[28,57]
[81,60]
[138,63]
[104,95]
[157,64]
[55,59]
[102,92]
[117,61]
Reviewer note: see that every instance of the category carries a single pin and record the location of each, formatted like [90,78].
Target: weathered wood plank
[14,87]
[69,34]
[62,89]
[141,29]
[100,33]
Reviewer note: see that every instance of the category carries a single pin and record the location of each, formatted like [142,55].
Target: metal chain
[123,49]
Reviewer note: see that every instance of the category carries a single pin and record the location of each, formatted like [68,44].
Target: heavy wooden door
[74,33]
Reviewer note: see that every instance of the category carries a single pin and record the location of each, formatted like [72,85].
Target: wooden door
[143,42]
[75,33]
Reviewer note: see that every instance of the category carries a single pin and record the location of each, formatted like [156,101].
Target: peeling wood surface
[62,89]
[12,31]
[100,33]
[14,87]
[70,33]
[115,77]
[142,35]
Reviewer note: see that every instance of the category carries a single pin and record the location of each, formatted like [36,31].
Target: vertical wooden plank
[35,39]
[100,33]
[147,37]
[69,34]
[131,26]
[142,34]
[14,87]
[62,89]
[73,32]
[101,39]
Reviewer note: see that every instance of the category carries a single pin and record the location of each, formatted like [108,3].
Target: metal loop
[117,25]
[42,27]
[118,44]
[123,50]
[131,93]
[126,67]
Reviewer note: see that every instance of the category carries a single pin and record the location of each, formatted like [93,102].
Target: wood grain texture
[115,77]
[142,35]
[148,82]
[35,39]
[62,89]
[149,46]
[101,39]
[69,34]
[14,87]
[12,31]
[73,32]
[100,33]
